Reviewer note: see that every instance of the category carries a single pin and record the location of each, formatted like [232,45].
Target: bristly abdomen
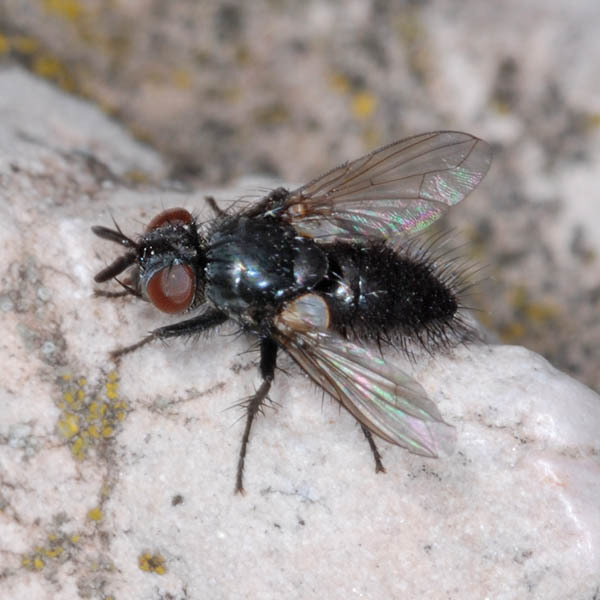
[375,292]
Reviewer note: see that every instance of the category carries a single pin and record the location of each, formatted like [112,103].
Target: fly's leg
[268,362]
[204,322]
[379,468]
[107,294]
[219,212]
[127,290]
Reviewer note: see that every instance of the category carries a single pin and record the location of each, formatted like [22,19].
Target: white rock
[512,514]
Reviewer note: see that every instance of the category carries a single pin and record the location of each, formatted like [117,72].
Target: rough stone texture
[121,485]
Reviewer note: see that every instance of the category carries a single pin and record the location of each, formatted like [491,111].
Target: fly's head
[166,263]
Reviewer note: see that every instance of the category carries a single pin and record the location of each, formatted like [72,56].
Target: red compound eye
[171,216]
[172,289]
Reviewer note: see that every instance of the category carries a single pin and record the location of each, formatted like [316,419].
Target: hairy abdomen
[375,292]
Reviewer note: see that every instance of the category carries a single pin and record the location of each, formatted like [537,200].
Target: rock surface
[119,482]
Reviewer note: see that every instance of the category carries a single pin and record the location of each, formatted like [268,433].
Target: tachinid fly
[322,272]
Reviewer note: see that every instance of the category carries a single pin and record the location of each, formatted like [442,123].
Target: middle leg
[379,468]
[268,362]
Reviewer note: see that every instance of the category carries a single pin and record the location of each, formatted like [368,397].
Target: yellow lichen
[4,44]
[542,312]
[512,332]
[135,175]
[40,556]
[68,9]
[95,514]
[593,120]
[111,390]
[47,66]
[86,420]
[152,563]
[79,448]
[24,44]
[53,552]
[69,425]
[364,104]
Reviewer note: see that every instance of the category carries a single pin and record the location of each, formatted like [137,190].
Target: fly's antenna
[121,263]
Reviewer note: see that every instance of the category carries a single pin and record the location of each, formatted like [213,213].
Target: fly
[322,273]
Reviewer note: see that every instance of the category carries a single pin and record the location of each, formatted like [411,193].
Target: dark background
[289,89]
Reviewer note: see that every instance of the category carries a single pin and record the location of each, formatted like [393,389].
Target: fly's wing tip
[443,439]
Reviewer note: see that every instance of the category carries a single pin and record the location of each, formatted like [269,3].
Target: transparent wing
[387,401]
[403,187]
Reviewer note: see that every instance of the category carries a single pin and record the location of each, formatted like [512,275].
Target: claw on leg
[379,468]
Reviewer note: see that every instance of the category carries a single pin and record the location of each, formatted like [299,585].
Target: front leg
[268,362]
[207,320]
[126,291]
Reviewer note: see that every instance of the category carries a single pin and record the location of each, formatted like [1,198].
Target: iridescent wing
[387,401]
[403,187]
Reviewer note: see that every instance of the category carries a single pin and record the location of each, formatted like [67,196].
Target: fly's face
[168,262]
